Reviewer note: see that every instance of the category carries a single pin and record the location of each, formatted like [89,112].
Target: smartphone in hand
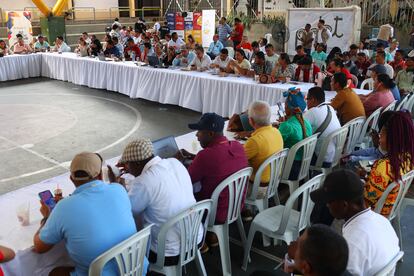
[47,198]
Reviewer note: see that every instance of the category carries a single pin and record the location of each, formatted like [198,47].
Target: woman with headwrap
[295,128]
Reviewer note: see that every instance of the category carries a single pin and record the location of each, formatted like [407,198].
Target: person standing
[307,38]
[224,31]
[164,30]
[237,33]
[323,34]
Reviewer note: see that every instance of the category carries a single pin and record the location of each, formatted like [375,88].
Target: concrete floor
[44,122]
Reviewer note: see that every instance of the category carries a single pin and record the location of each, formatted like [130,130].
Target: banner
[188,21]
[344,24]
[208,26]
[170,18]
[179,21]
[196,35]
[19,22]
[197,21]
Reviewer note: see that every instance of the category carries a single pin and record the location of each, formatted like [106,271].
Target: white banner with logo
[344,24]
[208,26]
[19,22]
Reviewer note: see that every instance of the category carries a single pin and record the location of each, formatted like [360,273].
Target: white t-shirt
[157,26]
[176,44]
[222,64]
[163,190]
[316,116]
[390,70]
[273,59]
[372,242]
[203,63]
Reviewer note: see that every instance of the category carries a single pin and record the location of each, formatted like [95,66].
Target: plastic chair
[389,269]
[231,51]
[189,223]
[308,145]
[391,106]
[355,80]
[402,103]
[395,214]
[369,82]
[237,186]
[339,138]
[354,131]
[371,122]
[410,102]
[129,255]
[282,222]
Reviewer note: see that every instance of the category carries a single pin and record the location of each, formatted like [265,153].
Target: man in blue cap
[218,159]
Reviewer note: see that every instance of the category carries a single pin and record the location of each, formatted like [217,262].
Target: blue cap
[379,69]
[210,122]
[295,100]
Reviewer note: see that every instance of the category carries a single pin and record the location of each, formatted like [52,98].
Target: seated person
[4,50]
[380,69]
[346,102]
[318,251]
[132,51]
[343,195]
[60,45]
[118,45]
[353,52]
[210,174]
[264,141]
[83,48]
[380,60]
[295,127]
[255,50]
[202,61]
[337,66]
[395,140]
[191,43]
[283,70]
[319,56]
[169,58]
[399,63]
[147,52]
[381,48]
[262,43]
[92,220]
[405,77]
[41,44]
[159,52]
[215,47]
[240,65]
[306,71]
[362,65]
[318,116]
[6,254]
[271,54]
[380,97]
[260,66]
[95,47]
[300,53]
[393,48]
[21,47]
[221,61]
[111,50]
[245,44]
[161,189]
[184,58]
[175,42]
[349,64]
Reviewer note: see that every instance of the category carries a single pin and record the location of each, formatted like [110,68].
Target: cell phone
[47,198]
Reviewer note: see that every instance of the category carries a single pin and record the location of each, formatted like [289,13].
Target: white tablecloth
[16,67]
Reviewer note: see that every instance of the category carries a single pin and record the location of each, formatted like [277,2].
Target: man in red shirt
[245,44]
[337,66]
[6,254]
[219,159]
[306,71]
[132,50]
[237,34]
[399,63]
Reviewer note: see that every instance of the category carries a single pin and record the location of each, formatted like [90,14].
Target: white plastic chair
[389,269]
[402,103]
[395,214]
[129,255]
[237,188]
[189,223]
[391,106]
[282,222]
[355,80]
[231,51]
[354,131]
[339,138]
[410,102]
[308,145]
[371,122]
[369,82]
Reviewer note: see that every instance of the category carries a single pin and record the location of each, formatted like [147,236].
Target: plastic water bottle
[133,56]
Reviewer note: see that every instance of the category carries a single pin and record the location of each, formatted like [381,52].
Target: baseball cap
[137,150]
[87,162]
[379,69]
[339,185]
[210,122]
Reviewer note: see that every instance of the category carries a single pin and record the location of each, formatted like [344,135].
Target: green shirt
[405,80]
[291,131]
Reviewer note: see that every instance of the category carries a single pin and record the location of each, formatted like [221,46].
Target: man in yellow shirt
[346,102]
[264,141]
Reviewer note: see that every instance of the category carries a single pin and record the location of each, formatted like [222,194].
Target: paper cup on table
[23,214]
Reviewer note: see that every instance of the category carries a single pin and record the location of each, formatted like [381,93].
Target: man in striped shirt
[224,31]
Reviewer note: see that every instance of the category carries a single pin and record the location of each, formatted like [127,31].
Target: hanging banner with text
[208,26]
[19,22]
[344,24]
